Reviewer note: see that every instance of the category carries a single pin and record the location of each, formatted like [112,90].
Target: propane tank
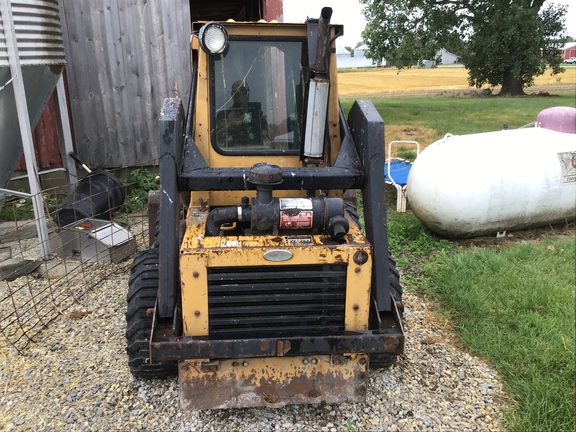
[561,119]
[470,185]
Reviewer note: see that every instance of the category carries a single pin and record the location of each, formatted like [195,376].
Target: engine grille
[275,301]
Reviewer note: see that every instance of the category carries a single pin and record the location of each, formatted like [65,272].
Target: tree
[351,50]
[500,42]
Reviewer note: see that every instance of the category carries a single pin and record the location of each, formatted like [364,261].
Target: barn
[569,50]
[123,57]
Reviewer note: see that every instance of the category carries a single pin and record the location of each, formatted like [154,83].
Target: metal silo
[36,25]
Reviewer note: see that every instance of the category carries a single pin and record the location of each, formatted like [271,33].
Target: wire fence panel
[93,234]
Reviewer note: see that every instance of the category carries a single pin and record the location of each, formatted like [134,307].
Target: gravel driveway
[76,378]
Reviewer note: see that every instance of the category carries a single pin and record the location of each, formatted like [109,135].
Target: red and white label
[296,220]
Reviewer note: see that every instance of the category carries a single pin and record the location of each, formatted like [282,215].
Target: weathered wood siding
[124,57]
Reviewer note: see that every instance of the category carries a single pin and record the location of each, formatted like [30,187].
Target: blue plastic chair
[396,172]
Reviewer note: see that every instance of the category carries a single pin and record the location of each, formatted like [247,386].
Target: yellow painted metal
[272,381]
[333,112]
[195,295]
[358,279]
[194,280]
[198,253]
[202,111]
[243,251]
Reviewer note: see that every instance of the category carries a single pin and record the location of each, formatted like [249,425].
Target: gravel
[75,377]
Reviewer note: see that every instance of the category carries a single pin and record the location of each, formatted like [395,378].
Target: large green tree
[500,42]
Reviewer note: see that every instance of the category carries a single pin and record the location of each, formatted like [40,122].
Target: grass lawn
[427,119]
[425,104]
[515,307]
[511,303]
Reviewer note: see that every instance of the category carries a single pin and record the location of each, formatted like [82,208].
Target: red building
[569,50]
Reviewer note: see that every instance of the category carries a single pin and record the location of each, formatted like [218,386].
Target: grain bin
[40,49]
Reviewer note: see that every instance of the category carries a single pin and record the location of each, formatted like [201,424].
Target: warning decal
[568,166]
[296,220]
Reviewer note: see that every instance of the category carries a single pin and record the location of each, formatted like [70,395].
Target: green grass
[20,209]
[407,237]
[13,210]
[515,307]
[139,183]
[464,115]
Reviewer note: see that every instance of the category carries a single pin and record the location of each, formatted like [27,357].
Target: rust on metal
[360,257]
[339,360]
[273,382]
[283,347]
[153,208]
[165,347]
[210,366]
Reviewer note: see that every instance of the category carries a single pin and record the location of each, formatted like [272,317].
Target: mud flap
[272,381]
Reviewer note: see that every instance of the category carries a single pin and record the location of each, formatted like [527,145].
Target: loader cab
[252,98]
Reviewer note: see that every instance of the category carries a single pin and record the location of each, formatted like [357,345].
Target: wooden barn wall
[124,57]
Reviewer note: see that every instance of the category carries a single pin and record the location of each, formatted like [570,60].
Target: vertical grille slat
[274,301]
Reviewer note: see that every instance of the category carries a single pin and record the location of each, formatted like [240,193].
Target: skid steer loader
[266,292]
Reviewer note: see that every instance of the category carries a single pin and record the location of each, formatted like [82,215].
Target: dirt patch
[408,133]
[537,90]
[512,238]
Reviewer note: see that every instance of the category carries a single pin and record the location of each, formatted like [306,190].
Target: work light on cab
[213,38]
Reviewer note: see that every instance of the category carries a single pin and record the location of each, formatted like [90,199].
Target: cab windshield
[258,89]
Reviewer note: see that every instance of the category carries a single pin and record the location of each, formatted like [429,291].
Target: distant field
[380,82]
[425,104]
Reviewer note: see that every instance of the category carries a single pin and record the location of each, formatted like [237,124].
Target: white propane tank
[479,184]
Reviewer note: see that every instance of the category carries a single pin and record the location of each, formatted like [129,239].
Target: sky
[349,13]
[346,12]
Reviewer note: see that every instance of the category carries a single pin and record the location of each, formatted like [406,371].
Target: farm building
[569,50]
[140,52]
[446,57]
[358,60]
[443,57]
[122,59]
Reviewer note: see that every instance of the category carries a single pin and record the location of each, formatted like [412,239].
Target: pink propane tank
[561,119]
[481,184]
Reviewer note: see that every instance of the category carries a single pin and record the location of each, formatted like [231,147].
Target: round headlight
[213,38]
